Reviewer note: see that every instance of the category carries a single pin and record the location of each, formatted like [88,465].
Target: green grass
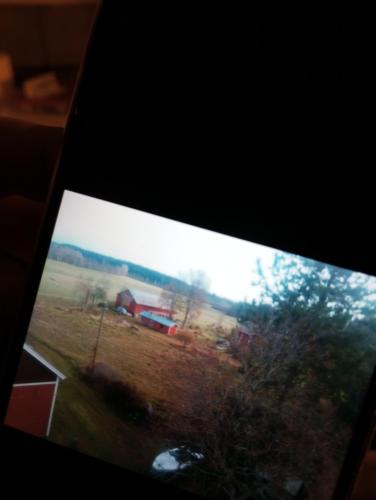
[84,421]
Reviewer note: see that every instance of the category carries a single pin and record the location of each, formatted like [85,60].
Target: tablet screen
[230,369]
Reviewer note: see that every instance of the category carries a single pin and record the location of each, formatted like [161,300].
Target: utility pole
[97,340]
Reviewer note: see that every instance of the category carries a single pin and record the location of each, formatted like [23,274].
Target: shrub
[186,337]
[123,397]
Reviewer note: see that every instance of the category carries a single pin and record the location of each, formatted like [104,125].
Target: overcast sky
[161,244]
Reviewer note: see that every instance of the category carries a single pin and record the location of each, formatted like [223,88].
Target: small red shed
[33,395]
[158,323]
[245,335]
[136,302]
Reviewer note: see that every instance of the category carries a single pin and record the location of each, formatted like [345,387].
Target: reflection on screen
[227,368]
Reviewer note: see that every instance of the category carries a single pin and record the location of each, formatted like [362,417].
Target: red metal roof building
[245,334]
[247,337]
[135,302]
[158,323]
[33,396]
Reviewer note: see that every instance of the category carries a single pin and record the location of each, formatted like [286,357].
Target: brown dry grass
[156,364]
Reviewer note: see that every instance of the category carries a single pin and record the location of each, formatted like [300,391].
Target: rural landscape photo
[226,368]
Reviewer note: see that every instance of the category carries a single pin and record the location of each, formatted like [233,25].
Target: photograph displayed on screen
[227,368]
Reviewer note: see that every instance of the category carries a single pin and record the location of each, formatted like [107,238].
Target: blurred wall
[45,35]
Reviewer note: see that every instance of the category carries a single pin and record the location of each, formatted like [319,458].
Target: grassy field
[84,421]
[61,280]
[159,367]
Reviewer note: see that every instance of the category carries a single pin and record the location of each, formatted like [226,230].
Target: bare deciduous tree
[173,299]
[198,283]
[90,291]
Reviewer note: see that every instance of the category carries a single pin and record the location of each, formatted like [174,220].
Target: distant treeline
[84,258]
[77,256]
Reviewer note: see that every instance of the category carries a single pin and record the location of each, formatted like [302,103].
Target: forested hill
[78,256]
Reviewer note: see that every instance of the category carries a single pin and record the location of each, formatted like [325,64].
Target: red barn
[136,302]
[245,335]
[33,395]
[159,323]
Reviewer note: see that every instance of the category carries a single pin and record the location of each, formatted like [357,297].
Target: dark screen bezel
[260,228]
